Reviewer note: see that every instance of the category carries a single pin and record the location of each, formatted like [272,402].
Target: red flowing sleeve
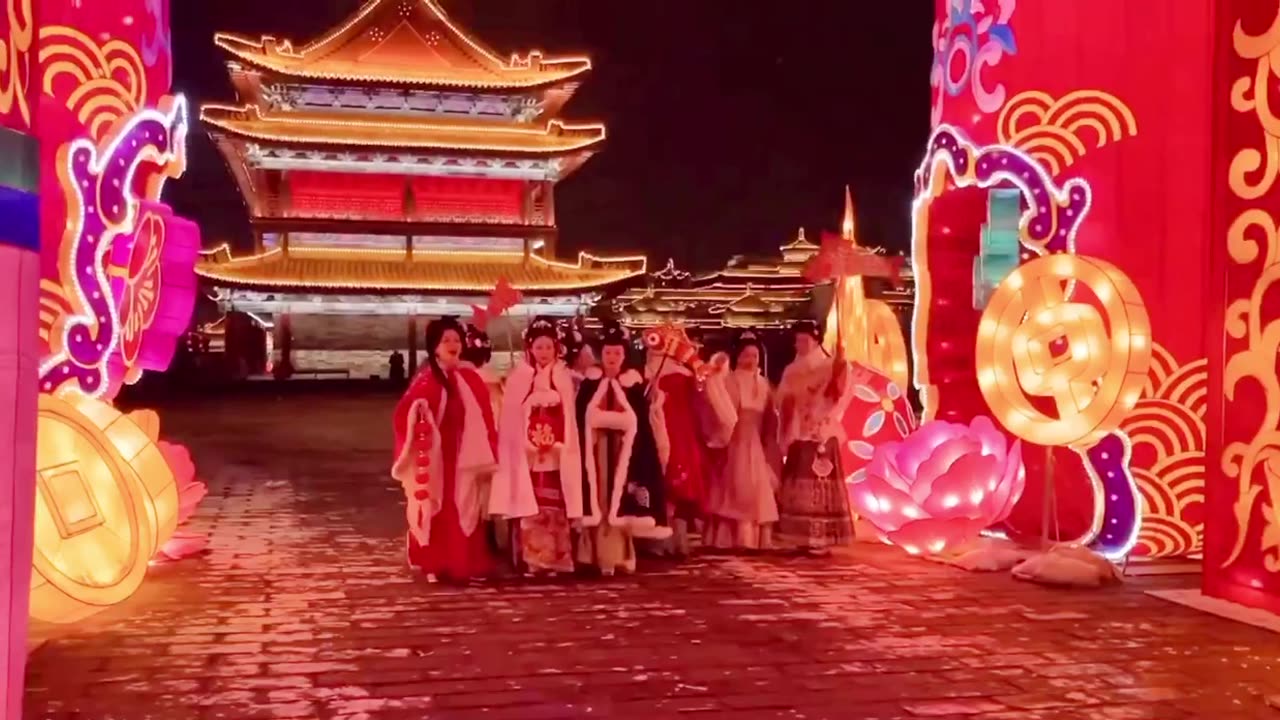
[418,463]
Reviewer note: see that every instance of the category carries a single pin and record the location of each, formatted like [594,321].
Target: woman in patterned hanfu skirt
[813,502]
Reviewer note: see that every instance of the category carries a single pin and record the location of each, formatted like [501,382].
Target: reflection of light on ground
[303,609]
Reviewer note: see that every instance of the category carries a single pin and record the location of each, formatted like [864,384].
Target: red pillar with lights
[1242,544]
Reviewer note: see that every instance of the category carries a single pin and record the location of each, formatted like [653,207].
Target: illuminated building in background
[748,292]
[765,293]
[397,167]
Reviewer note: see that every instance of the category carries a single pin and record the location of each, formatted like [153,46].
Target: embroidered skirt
[814,504]
[545,542]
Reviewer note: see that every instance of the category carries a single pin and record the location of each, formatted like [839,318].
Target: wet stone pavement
[303,609]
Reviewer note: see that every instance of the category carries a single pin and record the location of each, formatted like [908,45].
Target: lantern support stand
[1050,505]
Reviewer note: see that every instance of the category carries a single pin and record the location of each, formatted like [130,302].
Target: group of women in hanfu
[579,461]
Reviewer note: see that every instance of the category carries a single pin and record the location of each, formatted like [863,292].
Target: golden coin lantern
[1041,337]
[106,500]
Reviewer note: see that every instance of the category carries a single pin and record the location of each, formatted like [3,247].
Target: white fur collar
[628,378]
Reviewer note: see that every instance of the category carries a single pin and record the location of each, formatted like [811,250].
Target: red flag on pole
[502,299]
[840,258]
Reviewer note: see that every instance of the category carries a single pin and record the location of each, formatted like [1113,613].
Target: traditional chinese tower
[397,166]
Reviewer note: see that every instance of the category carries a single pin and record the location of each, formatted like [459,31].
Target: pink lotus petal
[920,444]
[884,506]
[183,545]
[941,486]
[189,497]
[1012,483]
[932,535]
[179,460]
[954,491]
[942,457]
[993,441]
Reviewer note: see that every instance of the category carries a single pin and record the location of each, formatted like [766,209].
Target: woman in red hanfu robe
[539,478]
[677,410]
[446,445]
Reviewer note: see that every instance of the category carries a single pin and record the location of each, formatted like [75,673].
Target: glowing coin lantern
[1041,342]
[106,501]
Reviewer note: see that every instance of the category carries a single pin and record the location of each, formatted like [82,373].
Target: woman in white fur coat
[539,479]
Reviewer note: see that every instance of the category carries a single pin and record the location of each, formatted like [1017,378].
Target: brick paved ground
[303,610]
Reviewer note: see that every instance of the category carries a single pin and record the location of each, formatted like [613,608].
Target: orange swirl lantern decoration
[674,342]
[106,501]
[1088,360]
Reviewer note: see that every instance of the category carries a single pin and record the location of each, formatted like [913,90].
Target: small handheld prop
[675,343]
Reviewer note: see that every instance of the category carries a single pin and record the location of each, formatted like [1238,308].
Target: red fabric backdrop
[1242,547]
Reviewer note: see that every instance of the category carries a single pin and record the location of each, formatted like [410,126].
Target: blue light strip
[19,219]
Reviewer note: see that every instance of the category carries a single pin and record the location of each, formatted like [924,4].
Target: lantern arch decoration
[117,290]
[1036,341]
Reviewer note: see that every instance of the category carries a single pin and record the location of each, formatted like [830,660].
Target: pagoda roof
[346,129]
[406,42]
[393,271]
[801,243]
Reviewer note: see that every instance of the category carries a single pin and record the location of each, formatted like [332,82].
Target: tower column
[284,341]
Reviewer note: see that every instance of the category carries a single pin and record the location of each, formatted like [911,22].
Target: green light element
[19,161]
[1000,247]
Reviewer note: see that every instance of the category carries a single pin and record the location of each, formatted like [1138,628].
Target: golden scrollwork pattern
[1039,343]
[1057,132]
[15,60]
[1167,433]
[1253,240]
[101,84]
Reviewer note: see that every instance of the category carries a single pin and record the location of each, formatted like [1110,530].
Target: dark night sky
[731,122]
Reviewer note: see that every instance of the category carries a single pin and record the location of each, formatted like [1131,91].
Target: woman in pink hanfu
[741,506]
[446,444]
[539,478]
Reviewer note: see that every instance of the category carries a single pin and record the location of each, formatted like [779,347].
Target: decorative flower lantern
[941,486]
[873,410]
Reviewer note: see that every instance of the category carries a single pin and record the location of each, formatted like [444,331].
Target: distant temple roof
[467,134]
[402,42]
[393,271]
